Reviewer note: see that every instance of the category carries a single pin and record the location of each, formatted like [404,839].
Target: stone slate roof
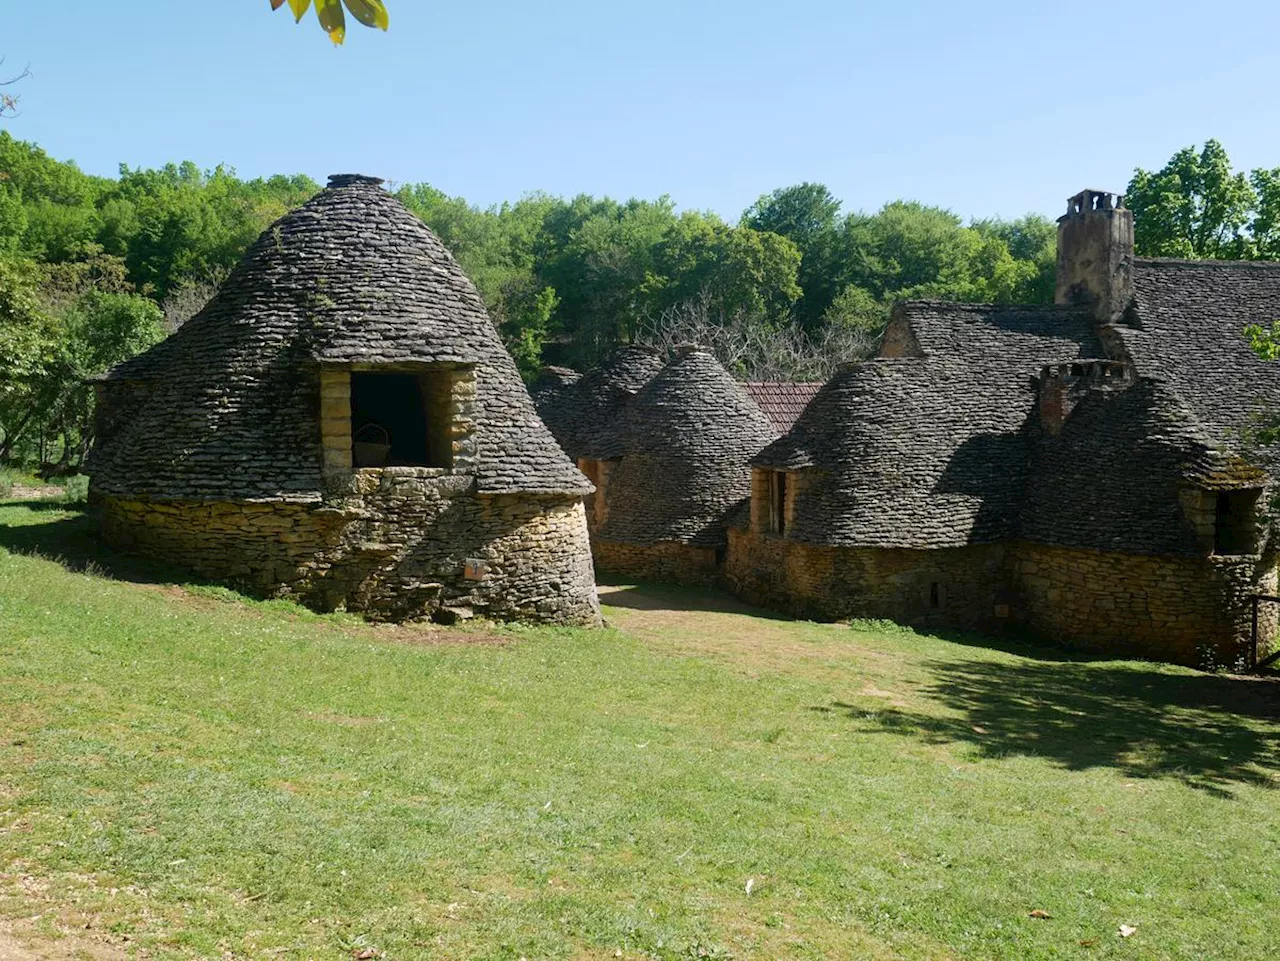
[1111,479]
[1188,326]
[930,448]
[782,401]
[688,439]
[550,383]
[586,418]
[231,401]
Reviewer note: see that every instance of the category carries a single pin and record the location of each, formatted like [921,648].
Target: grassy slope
[213,777]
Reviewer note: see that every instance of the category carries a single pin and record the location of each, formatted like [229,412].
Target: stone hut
[342,425]
[586,417]
[1082,469]
[683,471]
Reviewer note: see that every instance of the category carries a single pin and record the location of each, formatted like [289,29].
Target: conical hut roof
[551,382]
[586,418]
[689,437]
[228,407]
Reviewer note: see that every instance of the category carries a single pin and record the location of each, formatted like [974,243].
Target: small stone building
[342,425]
[1082,469]
[586,416]
[679,471]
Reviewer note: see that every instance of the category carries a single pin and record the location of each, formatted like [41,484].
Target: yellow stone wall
[665,561]
[1191,610]
[962,587]
[392,543]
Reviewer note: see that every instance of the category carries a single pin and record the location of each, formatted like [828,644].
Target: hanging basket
[372,446]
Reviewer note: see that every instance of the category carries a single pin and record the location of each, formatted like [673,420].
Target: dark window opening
[778,501]
[1235,523]
[935,595]
[400,420]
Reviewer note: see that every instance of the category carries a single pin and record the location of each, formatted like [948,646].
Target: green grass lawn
[186,773]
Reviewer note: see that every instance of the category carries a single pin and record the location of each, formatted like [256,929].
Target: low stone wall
[393,543]
[1191,610]
[666,561]
[954,587]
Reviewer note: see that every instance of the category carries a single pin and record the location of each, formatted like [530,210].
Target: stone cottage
[586,414]
[342,425]
[679,471]
[1083,469]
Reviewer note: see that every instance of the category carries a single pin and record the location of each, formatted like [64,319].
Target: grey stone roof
[782,401]
[586,418]
[1111,479]
[352,277]
[688,439]
[1187,326]
[550,382]
[928,448]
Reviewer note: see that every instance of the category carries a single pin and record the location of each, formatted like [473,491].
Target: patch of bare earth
[17,944]
[22,493]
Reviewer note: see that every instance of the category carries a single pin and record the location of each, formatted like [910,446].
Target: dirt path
[31,948]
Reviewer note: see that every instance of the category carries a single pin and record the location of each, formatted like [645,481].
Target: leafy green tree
[1032,243]
[29,346]
[857,309]
[808,215]
[1265,228]
[1194,207]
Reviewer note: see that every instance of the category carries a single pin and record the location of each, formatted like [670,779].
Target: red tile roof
[782,401]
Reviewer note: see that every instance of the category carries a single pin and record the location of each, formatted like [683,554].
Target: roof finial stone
[354,180]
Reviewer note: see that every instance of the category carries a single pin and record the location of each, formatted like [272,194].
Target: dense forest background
[95,269]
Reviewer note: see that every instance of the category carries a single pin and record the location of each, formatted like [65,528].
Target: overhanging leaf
[372,13]
[299,8]
[332,18]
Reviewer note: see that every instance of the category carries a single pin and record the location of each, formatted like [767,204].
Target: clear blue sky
[985,108]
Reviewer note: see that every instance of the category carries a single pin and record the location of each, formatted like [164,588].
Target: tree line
[95,269]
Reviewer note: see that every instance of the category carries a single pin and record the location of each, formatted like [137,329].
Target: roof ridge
[1216,264]
[975,307]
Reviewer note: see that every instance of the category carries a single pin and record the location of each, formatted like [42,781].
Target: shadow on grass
[1208,731]
[657,596]
[73,541]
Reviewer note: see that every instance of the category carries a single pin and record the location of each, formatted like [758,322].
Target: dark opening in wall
[935,595]
[778,501]
[1235,527]
[400,420]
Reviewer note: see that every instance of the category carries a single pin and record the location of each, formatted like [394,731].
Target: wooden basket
[372,446]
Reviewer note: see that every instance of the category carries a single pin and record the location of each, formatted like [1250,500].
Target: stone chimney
[1095,254]
[1063,386]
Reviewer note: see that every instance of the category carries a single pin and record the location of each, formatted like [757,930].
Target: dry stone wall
[394,543]
[1185,609]
[957,587]
[670,561]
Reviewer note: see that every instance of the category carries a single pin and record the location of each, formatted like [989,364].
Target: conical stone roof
[587,417]
[228,407]
[688,440]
